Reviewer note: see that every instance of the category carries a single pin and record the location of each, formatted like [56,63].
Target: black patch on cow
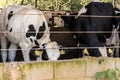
[41,29]
[34,57]
[50,19]
[43,45]
[11,30]
[31,40]
[36,42]
[31,31]
[6,26]
[10,15]
[44,55]
[32,54]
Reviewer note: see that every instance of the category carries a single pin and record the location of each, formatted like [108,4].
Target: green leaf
[111,74]
[100,75]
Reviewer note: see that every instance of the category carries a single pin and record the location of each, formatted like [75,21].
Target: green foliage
[117,4]
[4,3]
[25,2]
[111,74]
[106,0]
[84,2]
[73,5]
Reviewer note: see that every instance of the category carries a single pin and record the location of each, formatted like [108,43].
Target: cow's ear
[76,17]
[110,51]
[85,51]
[38,52]
[62,51]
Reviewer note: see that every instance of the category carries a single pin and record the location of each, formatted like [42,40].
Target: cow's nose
[53,59]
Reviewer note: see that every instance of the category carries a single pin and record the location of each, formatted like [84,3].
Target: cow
[116,33]
[84,23]
[26,27]
[83,9]
[67,43]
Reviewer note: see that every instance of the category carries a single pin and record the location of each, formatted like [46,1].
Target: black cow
[93,24]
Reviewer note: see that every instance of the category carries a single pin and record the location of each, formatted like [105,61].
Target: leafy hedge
[109,74]
[51,4]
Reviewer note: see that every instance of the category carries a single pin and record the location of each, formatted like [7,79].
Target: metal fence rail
[65,32]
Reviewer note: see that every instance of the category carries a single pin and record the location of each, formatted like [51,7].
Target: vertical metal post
[52,20]
[35,3]
[113,3]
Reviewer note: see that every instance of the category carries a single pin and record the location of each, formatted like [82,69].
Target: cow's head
[50,49]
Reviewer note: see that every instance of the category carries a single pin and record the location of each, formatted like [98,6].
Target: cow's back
[104,16]
[18,21]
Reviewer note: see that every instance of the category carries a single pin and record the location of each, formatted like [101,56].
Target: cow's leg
[12,52]
[4,48]
[26,55]
[103,51]
[25,51]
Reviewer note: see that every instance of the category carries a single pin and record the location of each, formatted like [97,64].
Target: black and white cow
[67,43]
[91,24]
[26,27]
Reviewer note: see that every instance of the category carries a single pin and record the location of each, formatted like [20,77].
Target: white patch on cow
[103,51]
[58,22]
[67,14]
[114,39]
[12,53]
[52,50]
[82,10]
[3,47]
[95,0]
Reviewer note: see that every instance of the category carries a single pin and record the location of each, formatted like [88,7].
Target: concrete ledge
[77,69]
[94,65]
[69,69]
[28,71]
[118,63]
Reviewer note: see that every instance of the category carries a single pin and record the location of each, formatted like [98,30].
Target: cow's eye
[43,45]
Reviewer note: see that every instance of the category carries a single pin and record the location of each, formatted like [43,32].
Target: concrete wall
[77,69]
